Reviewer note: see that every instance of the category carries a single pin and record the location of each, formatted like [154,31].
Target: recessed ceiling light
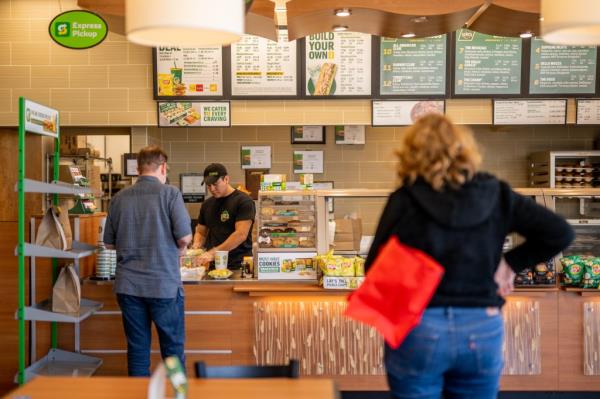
[418,20]
[408,35]
[340,28]
[526,35]
[541,18]
[343,12]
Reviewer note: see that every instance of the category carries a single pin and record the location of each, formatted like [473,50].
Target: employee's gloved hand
[206,257]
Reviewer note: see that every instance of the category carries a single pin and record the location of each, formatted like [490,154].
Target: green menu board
[413,66]
[558,69]
[486,64]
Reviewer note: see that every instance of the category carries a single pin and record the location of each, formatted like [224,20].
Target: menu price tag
[558,69]
[256,157]
[188,71]
[588,111]
[194,114]
[308,162]
[414,66]
[487,64]
[350,134]
[404,112]
[530,112]
[338,64]
[261,67]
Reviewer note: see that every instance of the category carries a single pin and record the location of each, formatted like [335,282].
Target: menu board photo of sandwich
[338,64]
[188,72]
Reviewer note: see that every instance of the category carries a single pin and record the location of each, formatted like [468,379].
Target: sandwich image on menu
[325,83]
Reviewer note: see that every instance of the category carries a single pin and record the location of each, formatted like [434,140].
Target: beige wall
[111,84]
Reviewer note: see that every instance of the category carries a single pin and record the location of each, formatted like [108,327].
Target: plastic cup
[221,259]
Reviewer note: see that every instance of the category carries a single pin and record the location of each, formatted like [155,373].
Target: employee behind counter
[225,220]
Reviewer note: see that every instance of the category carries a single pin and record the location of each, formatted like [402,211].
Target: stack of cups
[103,263]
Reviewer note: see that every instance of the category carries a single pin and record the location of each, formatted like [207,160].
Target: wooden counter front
[242,322]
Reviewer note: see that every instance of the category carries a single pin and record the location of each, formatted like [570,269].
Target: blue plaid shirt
[144,223]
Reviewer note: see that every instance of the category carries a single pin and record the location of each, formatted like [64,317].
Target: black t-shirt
[219,216]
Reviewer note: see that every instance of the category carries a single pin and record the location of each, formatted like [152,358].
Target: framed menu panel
[413,67]
[263,68]
[194,114]
[255,157]
[308,162]
[182,73]
[337,64]
[587,111]
[308,134]
[556,69]
[486,65]
[530,112]
[403,112]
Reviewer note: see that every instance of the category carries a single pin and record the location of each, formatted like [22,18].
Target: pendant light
[184,23]
[573,22]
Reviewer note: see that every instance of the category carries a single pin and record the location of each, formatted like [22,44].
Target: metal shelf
[62,363]
[80,250]
[56,187]
[43,312]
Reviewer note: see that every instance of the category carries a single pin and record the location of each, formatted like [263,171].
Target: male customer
[149,226]
[225,220]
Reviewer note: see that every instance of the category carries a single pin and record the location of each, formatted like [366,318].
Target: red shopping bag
[396,291]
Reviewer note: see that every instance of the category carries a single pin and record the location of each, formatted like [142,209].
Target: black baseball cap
[214,172]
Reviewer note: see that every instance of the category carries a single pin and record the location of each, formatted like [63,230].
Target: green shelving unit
[38,119]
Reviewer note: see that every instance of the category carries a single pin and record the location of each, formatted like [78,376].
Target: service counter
[249,321]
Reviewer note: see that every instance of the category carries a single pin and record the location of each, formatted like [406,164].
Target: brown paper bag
[66,294]
[348,233]
[55,229]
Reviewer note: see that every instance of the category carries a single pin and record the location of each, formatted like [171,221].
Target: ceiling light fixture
[526,35]
[343,12]
[576,22]
[340,28]
[184,23]
[408,35]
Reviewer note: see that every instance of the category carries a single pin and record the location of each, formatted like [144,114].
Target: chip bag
[573,270]
[591,275]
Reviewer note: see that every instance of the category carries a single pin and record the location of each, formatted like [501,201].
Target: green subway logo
[78,29]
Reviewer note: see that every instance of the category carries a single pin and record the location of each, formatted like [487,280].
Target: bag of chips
[591,275]
[573,270]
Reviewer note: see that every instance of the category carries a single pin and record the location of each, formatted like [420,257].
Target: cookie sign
[78,29]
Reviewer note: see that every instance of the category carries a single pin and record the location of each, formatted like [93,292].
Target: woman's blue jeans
[453,353]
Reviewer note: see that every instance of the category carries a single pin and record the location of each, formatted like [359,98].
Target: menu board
[261,67]
[588,112]
[486,65]
[194,114]
[338,64]
[255,157]
[189,72]
[413,66]
[404,112]
[562,69]
[530,112]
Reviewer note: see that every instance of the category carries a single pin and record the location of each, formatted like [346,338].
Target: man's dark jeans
[138,315]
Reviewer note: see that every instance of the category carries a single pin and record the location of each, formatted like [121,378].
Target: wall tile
[187,152]
[38,30]
[36,53]
[15,77]
[63,56]
[50,76]
[222,152]
[109,99]
[377,171]
[174,134]
[108,53]
[14,30]
[89,118]
[41,96]
[4,9]
[285,118]
[7,100]
[139,54]
[361,152]
[379,133]
[282,152]
[88,76]
[242,118]
[70,99]
[204,134]
[4,53]
[131,76]
[141,100]
[30,9]
[274,133]
[127,118]
[239,133]
[9,118]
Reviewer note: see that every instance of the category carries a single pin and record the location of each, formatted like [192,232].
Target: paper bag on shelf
[348,233]
[55,229]
[66,294]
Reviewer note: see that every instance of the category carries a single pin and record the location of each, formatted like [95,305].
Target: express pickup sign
[78,29]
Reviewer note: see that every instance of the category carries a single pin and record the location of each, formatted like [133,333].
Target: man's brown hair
[150,158]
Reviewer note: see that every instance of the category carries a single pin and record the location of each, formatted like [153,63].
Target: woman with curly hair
[460,217]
